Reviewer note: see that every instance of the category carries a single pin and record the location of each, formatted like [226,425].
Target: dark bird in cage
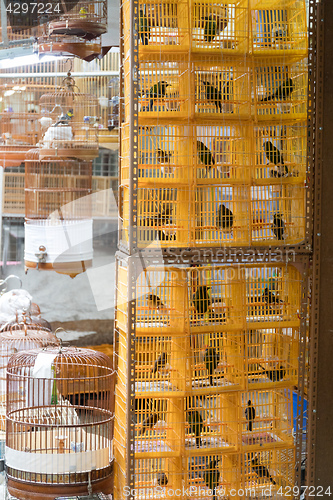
[144,28]
[162,479]
[212,476]
[261,470]
[275,375]
[274,156]
[154,302]
[211,359]
[224,217]
[213,95]
[163,156]
[205,156]
[210,29]
[64,119]
[282,92]
[201,299]
[270,298]
[278,226]
[160,362]
[157,91]
[196,425]
[250,415]
[149,423]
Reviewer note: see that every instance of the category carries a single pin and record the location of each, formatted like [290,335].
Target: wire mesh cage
[281,88]
[83,19]
[58,213]
[278,27]
[15,337]
[68,125]
[59,422]
[217,27]
[267,418]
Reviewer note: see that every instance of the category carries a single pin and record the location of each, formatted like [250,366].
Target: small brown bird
[163,156]
[154,302]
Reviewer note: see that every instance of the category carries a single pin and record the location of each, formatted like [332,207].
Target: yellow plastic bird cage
[68,124]
[280,153]
[59,427]
[265,472]
[280,89]
[266,418]
[278,27]
[272,357]
[219,27]
[58,226]
[273,295]
[163,27]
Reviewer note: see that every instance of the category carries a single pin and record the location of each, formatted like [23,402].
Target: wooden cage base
[72,269]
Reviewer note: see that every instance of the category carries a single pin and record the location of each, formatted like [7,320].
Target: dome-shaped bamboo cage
[16,337]
[59,423]
[58,223]
[69,123]
[85,20]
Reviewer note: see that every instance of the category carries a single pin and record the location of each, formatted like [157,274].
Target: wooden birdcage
[85,20]
[15,337]
[69,123]
[59,422]
[58,228]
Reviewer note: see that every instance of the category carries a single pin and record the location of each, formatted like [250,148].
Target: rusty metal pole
[320,442]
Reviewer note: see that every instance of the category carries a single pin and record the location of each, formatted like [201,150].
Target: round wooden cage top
[70,362]
[25,325]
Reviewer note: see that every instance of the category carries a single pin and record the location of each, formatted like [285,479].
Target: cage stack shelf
[208,340]
[213,155]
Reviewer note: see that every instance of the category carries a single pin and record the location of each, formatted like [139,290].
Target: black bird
[160,362]
[270,298]
[274,156]
[144,28]
[157,91]
[212,476]
[278,226]
[250,415]
[261,470]
[205,155]
[64,119]
[211,360]
[196,425]
[275,375]
[224,217]
[162,479]
[149,423]
[154,301]
[213,94]
[163,156]
[201,299]
[282,92]
[210,29]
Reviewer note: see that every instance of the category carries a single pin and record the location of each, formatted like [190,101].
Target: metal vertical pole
[2,200]
[320,467]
